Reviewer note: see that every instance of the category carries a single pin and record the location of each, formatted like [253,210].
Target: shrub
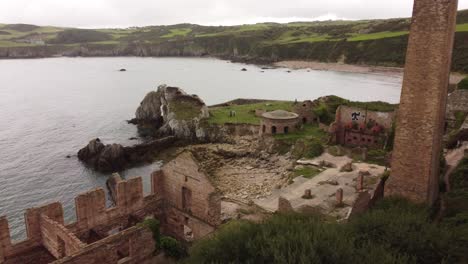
[172,248]
[460,117]
[289,238]
[315,149]
[463,85]
[377,156]
[153,225]
[324,115]
[395,231]
[404,227]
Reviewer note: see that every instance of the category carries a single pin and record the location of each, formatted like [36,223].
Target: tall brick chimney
[419,131]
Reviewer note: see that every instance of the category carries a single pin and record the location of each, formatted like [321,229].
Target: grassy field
[245,114]
[379,35]
[178,32]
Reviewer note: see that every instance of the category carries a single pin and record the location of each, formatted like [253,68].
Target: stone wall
[134,245]
[420,124]
[190,195]
[305,110]
[457,102]
[268,125]
[58,240]
[182,199]
[346,115]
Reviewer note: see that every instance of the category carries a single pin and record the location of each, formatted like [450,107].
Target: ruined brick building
[305,110]
[359,127]
[278,122]
[182,199]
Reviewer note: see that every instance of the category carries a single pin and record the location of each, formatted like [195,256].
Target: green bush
[459,119]
[323,113]
[315,149]
[377,156]
[404,227]
[395,231]
[172,248]
[463,85]
[153,225]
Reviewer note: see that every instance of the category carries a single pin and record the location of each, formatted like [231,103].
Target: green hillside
[371,42]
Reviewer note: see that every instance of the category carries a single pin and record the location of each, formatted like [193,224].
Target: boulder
[348,167]
[115,157]
[94,147]
[104,158]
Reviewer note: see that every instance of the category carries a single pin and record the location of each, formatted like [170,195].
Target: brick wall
[417,148]
[47,236]
[266,126]
[59,240]
[345,116]
[305,110]
[137,240]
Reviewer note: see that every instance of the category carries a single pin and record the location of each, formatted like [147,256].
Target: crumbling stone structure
[359,127]
[457,104]
[182,199]
[278,122]
[305,110]
[420,122]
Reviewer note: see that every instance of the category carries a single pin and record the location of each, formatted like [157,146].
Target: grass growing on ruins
[309,132]
[245,114]
[395,231]
[306,172]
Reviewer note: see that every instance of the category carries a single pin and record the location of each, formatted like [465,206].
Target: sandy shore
[339,67]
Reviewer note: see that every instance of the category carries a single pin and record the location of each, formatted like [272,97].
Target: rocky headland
[166,117]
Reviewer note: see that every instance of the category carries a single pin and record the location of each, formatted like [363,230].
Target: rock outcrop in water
[171,111]
[115,157]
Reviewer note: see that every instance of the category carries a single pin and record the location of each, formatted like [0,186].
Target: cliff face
[383,52]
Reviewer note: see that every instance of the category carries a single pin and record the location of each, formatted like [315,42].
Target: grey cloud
[123,13]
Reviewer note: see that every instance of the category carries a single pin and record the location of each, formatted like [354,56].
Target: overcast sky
[125,13]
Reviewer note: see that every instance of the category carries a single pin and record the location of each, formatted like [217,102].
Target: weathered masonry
[420,121]
[182,199]
[278,122]
[360,127]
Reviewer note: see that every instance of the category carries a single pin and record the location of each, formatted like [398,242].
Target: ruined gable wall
[138,240]
[184,172]
[53,234]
